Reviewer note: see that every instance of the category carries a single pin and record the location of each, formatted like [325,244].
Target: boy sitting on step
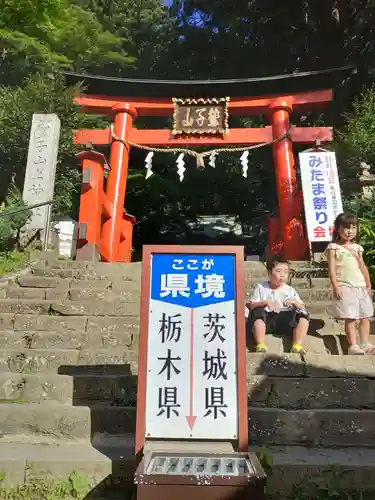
[277,306]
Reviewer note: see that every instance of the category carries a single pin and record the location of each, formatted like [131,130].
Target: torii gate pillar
[286,181]
[286,231]
[116,185]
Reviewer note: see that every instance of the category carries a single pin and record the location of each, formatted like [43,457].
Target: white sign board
[321,193]
[41,166]
[191,358]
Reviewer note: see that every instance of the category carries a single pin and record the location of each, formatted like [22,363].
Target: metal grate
[208,466]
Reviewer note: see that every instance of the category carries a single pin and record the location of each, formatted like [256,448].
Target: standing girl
[351,283]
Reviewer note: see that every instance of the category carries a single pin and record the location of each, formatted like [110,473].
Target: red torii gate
[106,230]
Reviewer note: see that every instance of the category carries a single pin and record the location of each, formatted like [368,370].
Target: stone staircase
[68,377]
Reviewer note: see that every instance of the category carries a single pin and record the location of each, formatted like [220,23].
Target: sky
[195,19]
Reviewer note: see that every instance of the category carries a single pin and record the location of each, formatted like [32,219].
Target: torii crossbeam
[113,240]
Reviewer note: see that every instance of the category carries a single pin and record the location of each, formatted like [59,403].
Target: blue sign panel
[192,281]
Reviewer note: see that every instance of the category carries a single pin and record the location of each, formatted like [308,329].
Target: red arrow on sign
[191,419]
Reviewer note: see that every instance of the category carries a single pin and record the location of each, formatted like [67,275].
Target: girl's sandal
[368,349]
[356,350]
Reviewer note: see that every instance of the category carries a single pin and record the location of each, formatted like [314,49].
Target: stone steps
[291,465]
[45,322]
[63,421]
[119,294]
[115,360]
[302,279]
[32,361]
[102,308]
[313,427]
[21,462]
[119,285]
[73,294]
[121,389]
[312,468]
[310,365]
[67,308]
[69,337]
[11,339]
[267,426]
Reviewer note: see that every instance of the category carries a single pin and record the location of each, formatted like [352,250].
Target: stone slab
[22,461]
[108,460]
[64,340]
[12,466]
[112,326]
[291,465]
[116,420]
[300,283]
[307,294]
[7,321]
[99,270]
[340,366]
[94,308]
[47,322]
[116,389]
[55,273]
[267,426]
[10,339]
[325,427]
[271,365]
[283,344]
[33,361]
[90,360]
[25,306]
[311,393]
[58,294]
[45,420]
[32,281]
[91,284]
[16,292]
[343,469]
[24,388]
[310,365]
[78,294]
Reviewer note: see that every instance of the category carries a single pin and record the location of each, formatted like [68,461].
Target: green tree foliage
[38,39]
[357,144]
[45,95]
[358,135]
[53,34]
[268,37]
[10,225]
[192,39]
[145,28]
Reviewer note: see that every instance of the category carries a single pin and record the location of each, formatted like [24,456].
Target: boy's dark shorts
[283,322]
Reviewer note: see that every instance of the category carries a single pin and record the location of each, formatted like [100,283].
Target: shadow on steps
[306,414]
[329,341]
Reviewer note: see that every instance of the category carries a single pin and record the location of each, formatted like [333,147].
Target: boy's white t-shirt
[263,291]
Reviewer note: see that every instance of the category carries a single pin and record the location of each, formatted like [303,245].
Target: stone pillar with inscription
[41,168]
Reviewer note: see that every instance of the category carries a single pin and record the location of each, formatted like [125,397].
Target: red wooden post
[275,244]
[125,250]
[286,183]
[90,210]
[116,185]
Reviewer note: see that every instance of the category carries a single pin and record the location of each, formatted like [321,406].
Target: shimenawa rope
[199,156]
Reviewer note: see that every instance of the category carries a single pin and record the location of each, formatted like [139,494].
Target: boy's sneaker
[297,349]
[261,348]
[368,349]
[356,350]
